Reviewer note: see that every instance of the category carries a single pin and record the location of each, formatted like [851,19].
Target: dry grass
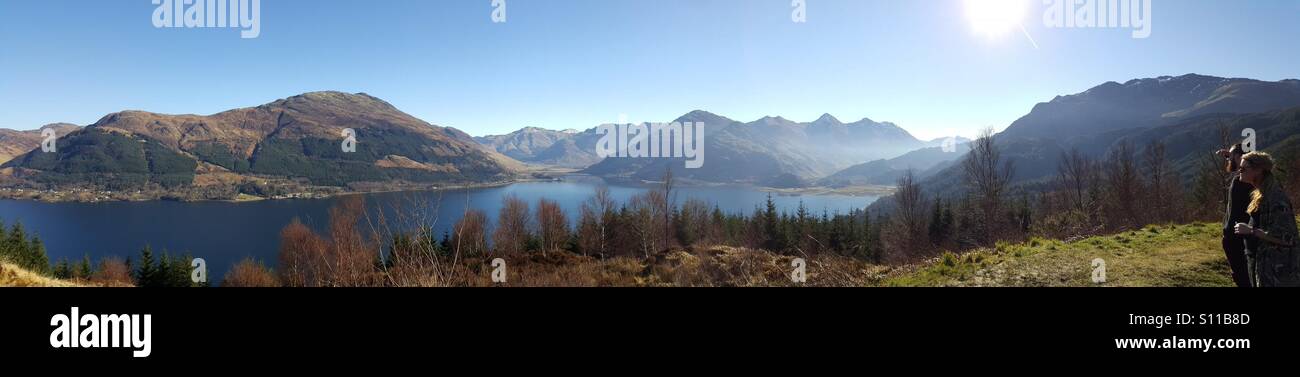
[13,276]
[112,273]
[717,266]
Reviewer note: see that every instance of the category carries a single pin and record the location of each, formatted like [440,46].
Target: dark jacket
[1238,201]
[1276,265]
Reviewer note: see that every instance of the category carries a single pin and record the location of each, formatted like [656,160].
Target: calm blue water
[224,233]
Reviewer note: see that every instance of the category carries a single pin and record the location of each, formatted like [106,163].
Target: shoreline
[99,197]
[857,190]
[326,193]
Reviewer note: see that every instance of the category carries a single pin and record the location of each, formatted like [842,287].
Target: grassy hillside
[1156,256]
[13,276]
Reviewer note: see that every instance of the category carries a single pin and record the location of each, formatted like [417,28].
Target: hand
[1244,229]
[1223,153]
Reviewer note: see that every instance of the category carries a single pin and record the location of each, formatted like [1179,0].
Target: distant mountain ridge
[568,148]
[14,143]
[922,162]
[771,151]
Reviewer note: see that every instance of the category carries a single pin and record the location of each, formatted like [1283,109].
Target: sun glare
[995,18]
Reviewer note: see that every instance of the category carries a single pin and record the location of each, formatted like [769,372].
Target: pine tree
[941,222]
[36,260]
[147,274]
[84,269]
[164,271]
[771,227]
[445,245]
[17,246]
[949,222]
[936,222]
[62,270]
[180,271]
[871,237]
[430,246]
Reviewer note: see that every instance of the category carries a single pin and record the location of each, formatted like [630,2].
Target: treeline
[148,270]
[347,254]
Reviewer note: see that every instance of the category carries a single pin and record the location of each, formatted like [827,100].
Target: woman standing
[1273,259]
[1234,246]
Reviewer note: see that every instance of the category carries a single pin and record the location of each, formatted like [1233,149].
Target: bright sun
[995,18]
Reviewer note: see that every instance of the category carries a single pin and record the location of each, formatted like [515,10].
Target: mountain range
[297,143]
[293,141]
[771,151]
[1184,113]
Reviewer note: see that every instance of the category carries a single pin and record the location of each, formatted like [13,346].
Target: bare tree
[597,214]
[645,221]
[469,235]
[1123,187]
[112,271]
[302,256]
[907,237]
[351,261]
[249,273]
[1163,195]
[988,177]
[1076,174]
[346,260]
[511,234]
[553,225]
[669,203]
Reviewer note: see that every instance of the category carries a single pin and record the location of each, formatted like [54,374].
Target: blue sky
[578,63]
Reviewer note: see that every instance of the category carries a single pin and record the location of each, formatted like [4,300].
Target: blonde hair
[1264,162]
